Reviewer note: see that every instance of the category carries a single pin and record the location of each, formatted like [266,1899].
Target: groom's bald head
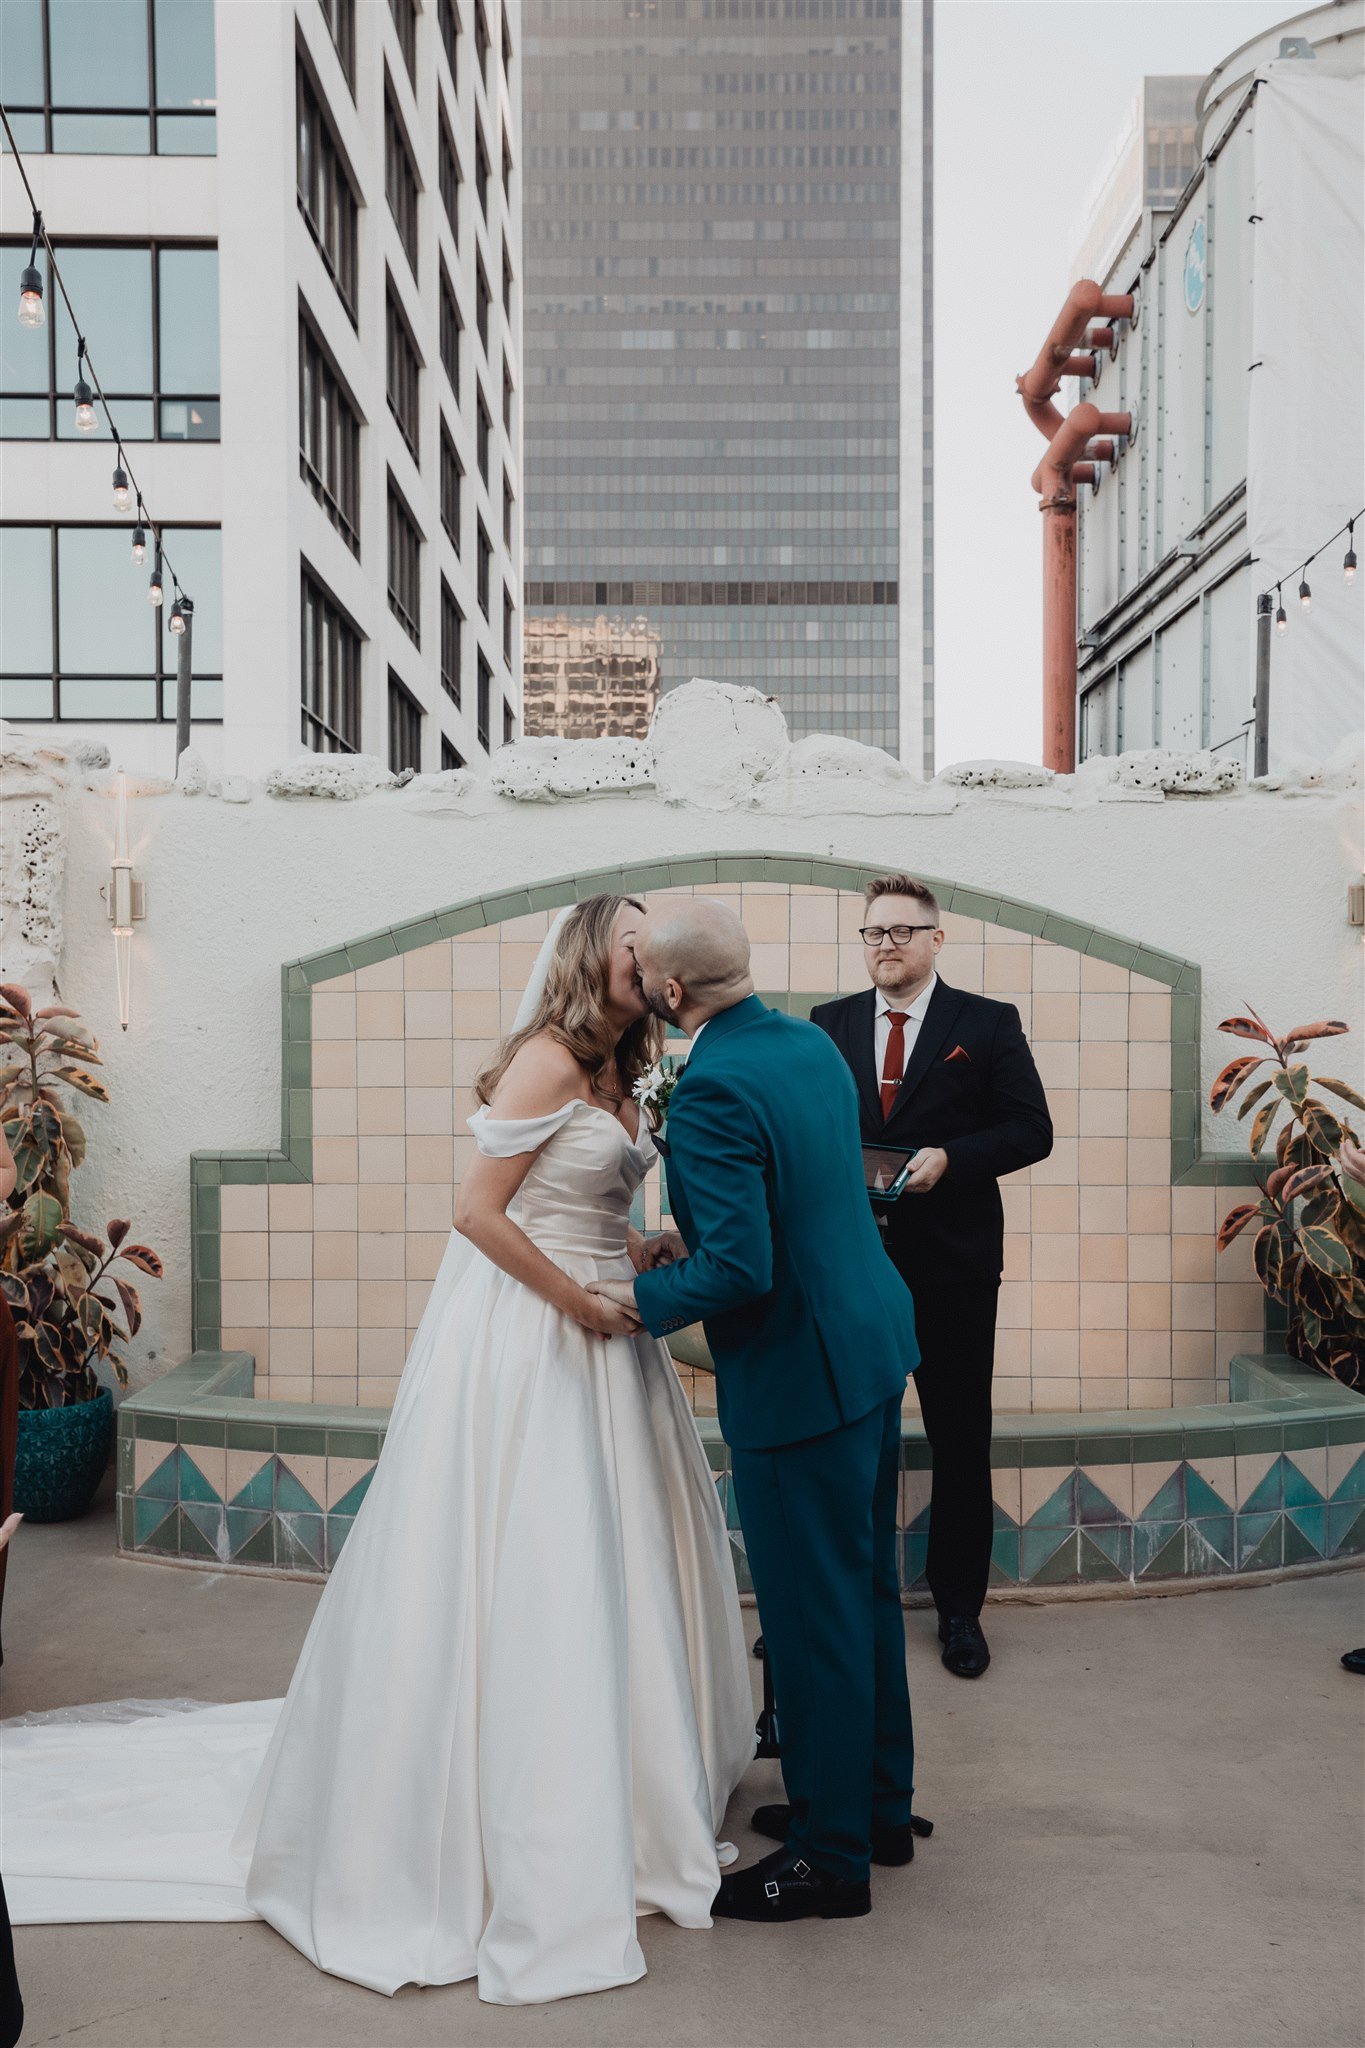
[693,956]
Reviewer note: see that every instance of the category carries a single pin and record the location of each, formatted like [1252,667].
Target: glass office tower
[727,330]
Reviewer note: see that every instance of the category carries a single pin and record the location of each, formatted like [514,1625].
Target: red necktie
[893,1067]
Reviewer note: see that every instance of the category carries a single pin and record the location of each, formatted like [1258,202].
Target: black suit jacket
[971,1087]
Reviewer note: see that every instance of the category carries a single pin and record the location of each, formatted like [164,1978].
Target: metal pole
[1261,752]
[183,674]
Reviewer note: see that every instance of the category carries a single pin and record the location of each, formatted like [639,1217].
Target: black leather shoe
[1354,1660]
[964,1647]
[785,1887]
[890,1845]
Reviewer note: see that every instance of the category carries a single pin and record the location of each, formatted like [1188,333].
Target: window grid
[508,508]
[327,196]
[403,373]
[483,299]
[450,325]
[405,566]
[509,615]
[340,18]
[506,282]
[452,480]
[481,44]
[508,388]
[483,430]
[329,437]
[330,709]
[480,167]
[82,126]
[452,639]
[484,570]
[448,23]
[448,179]
[404,14]
[400,179]
[451,757]
[405,728]
[485,704]
[509,724]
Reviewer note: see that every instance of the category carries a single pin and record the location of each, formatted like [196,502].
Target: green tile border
[292,1162]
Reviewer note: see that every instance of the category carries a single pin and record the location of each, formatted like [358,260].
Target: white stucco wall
[1251,885]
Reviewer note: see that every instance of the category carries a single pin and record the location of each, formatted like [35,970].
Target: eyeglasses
[899,934]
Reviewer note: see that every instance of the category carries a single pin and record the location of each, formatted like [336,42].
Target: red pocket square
[959,1052]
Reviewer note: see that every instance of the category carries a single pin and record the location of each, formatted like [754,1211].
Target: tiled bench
[208,1476]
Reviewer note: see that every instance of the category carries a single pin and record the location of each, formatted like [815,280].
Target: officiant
[948,1076]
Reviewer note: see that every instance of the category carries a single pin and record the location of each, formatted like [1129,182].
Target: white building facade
[293,243]
[1243,370]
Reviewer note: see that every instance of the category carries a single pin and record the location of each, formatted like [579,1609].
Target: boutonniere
[654,1090]
[959,1052]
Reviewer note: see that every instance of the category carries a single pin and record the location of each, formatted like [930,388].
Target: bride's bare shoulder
[541,1076]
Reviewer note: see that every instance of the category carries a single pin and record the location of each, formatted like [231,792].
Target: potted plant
[57,1277]
[1310,1246]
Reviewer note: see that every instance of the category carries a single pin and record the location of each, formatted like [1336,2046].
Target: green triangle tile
[1210,1545]
[351,1499]
[1269,1495]
[151,1517]
[260,1548]
[1299,1491]
[292,1498]
[1037,1548]
[193,1485]
[193,1541]
[242,1525]
[338,1529]
[1093,1506]
[210,1521]
[1352,1487]
[1005,1556]
[1094,1563]
[1169,1561]
[1058,1511]
[164,1483]
[259,1491]
[1200,1499]
[1148,1539]
[914,1553]
[1311,1522]
[1252,1531]
[1346,1529]
[1168,1502]
[299,1542]
[1270,1550]
[1000,1519]
[1299,1548]
[1117,1545]
[1063,1565]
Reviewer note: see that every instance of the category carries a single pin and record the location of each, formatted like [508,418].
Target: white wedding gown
[523,1702]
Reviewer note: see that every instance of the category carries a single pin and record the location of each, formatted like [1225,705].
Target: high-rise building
[590,678]
[291,230]
[1153,159]
[728,326]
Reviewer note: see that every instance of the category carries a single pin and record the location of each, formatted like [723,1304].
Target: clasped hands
[618,1315]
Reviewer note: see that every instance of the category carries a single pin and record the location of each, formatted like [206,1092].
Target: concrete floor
[1149,1831]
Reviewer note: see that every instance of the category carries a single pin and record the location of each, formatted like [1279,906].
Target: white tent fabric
[1306,431]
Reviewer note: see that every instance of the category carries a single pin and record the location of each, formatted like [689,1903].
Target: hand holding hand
[609,1308]
[927,1169]
[663,1250]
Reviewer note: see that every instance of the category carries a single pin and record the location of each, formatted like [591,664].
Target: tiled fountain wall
[318,1260]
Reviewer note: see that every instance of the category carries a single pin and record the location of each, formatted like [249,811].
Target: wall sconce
[127,900]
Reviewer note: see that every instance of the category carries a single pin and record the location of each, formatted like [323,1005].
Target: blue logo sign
[1196,268]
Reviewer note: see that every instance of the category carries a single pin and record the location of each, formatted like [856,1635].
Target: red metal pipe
[1054,480]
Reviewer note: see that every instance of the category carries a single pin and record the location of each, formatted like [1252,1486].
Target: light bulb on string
[32,312]
[1281,616]
[123,497]
[1305,596]
[176,621]
[155,593]
[1348,567]
[84,396]
[139,546]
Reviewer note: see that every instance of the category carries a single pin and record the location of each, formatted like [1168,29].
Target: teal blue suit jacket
[809,1323]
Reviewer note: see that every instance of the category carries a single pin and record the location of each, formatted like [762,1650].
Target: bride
[523,1702]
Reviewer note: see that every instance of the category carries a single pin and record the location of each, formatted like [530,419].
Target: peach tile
[1194,1209]
[1015,1305]
[335,985]
[430,1112]
[1017,1201]
[381,974]
[1115,1482]
[1238,1306]
[1013,1351]
[1001,935]
[766,918]
[334,1350]
[338,1390]
[1011,1396]
[1018,1258]
[379,1013]
[1191,1353]
[1054,1209]
[244,1208]
[1061,1168]
[1102,977]
[423,1252]
[334,1208]
[1149,1113]
[334,1304]
[516,958]
[239,1469]
[479,1015]
[1103,1211]
[1104,1064]
[380,1111]
[381,1207]
[291,1306]
[769,965]
[961,930]
[1057,1353]
[377,1393]
[815,920]
[1149,1015]
[1104,1258]
[471,1056]
[1149,1353]
[1102,1393]
[291,1207]
[1149,1162]
[334,1112]
[1058,1062]
[1237,1260]
[428,1208]
[963,967]
[246,1302]
[417,1293]
[428,967]
[245,1254]
[1104,1305]
[1149,1305]
[474,962]
[814,968]
[1193,1393]
[1056,1016]
[236,1337]
[1103,1161]
[379,1062]
[1149,1065]
[334,1159]
[431,1159]
[1065,1105]
[333,1063]
[1056,1257]
[1104,1017]
[291,1351]
[381,1305]
[1104,1355]
[342,1475]
[464,1148]
[1193,1257]
[309,1470]
[1104,1112]
[534,925]
[1341,1459]
[428,1013]
[291,1255]
[1056,1305]
[1007,971]
[380,1255]
[1144,1393]
[382,1159]
[1038,1483]
[1056,969]
[1149,1210]
[333,1016]
[1057,1395]
[1006,1490]
[1192,1306]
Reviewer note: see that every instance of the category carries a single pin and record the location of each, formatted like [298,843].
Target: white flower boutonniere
[654,1090]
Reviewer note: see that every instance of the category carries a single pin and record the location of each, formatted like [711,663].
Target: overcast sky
[1030,96]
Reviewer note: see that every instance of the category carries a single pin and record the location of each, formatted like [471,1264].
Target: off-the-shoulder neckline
[574,1102]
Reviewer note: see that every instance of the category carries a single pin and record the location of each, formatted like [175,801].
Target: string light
[1305,596]
[86,422]
[1281,616]
[155,593]
[1348,573]
[32,312]
[139,536]
[176,621]
[122,495]
[1348,567]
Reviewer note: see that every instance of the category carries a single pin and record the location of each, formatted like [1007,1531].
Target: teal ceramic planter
[61,1456]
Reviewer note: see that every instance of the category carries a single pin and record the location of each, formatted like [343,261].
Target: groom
[812,1332]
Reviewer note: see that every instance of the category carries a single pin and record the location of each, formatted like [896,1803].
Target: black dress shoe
[785,1887]
[1354,1660]
[964,1646]
[890,1845]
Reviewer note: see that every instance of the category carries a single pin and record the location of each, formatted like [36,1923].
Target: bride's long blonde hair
[573,1006]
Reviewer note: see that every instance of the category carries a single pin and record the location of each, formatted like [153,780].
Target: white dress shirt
[914,1017]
